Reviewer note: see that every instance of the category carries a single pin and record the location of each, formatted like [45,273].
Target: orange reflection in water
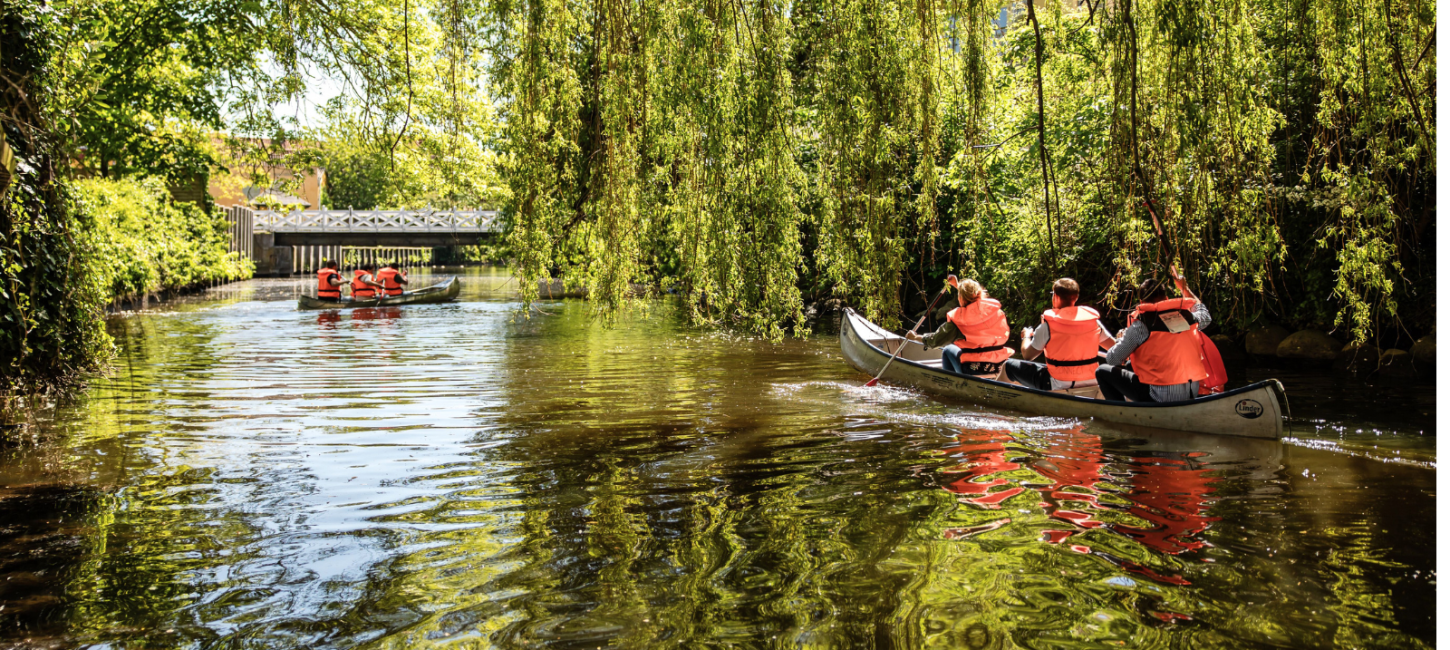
[985,455]
[1075,461]
[376,313]
[1168,489]
[1175,495]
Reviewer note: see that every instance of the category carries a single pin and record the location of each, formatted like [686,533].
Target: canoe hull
[444,291]
[1253,411]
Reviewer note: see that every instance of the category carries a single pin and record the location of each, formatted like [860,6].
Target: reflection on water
[459,474]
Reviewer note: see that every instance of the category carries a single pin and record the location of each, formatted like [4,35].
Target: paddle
[952,280]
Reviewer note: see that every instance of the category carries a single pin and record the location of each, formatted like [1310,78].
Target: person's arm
[334,280]
[942,337]
[1105,338]
[371,280]
[1033,346]
[1134,336]
[1181,282]
[1200,314]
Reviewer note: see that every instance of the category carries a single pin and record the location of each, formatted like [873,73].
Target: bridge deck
[377,227]
[377,221]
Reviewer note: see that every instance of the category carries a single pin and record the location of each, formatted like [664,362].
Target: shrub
[143,242]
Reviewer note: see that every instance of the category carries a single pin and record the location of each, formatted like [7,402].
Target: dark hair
[329,264]
[1066,289]
[1152,291]
[368,266]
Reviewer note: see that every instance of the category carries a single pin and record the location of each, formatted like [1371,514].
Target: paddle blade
[872,382]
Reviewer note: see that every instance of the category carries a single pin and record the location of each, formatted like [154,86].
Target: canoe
[1254,411]
[442,292]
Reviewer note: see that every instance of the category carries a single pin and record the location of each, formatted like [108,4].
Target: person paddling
[978,330]
[1163,342]
[364,285]
[329,282]
[1068,340]
[393,280]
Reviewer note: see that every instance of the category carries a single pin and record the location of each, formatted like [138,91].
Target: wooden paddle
[952,280]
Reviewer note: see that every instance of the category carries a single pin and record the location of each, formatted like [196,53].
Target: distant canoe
[1253,411]
[442,292]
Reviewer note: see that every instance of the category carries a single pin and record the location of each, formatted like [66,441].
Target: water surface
[466,475]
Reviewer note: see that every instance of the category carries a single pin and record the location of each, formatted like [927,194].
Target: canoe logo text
[1249,408]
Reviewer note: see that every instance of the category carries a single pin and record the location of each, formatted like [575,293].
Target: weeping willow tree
[668,141]
[759,155]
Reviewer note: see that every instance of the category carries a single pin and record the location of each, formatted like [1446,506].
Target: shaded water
[457,475]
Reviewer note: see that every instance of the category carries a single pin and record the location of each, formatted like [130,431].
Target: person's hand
[1178,279]
[913,336]
[952,280]
[1027,333]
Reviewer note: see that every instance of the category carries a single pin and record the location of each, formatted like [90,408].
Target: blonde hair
[969,291]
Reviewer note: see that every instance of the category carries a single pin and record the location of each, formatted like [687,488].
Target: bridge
[377,227]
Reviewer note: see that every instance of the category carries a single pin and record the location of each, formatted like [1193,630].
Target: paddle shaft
[919,321]
[1157,224]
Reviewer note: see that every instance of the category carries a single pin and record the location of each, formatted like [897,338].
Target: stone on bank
[1264,341]
[1309,345]
[1423,354]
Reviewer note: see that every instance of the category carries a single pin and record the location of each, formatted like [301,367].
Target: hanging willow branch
[1042,134]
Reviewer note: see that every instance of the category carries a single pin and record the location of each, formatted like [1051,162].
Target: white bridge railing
[376,221]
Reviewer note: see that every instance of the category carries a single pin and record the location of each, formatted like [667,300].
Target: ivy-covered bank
[73,248]
[51,332]
[70,247]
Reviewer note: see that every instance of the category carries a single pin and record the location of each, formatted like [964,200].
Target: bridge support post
[271,260]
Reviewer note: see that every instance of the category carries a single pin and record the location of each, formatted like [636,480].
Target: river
[468,475]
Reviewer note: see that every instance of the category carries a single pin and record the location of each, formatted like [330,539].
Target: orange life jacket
[984,331]
[1217,374]
[359,289]
[1168,358]
[1072,346]
[389,277]
[326,289]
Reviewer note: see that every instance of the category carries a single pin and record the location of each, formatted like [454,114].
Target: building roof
[272,196]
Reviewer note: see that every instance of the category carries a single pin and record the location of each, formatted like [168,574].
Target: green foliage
[760,155]
[141,242]
[50,327]
[416,124]
[427,167]
[138,83]
[756,155]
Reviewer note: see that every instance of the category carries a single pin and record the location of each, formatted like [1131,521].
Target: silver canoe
[1254,411]
[444,291]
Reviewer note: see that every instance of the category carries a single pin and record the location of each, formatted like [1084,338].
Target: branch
[1042,135]
[408,66]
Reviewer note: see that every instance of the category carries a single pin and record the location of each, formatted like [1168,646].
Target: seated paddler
[364,285]
[393,280]
[1068,340]
[329,282]
[977,330]
[1162,341]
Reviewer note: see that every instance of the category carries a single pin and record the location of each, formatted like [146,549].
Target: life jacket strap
[1077,362]
[981,350]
